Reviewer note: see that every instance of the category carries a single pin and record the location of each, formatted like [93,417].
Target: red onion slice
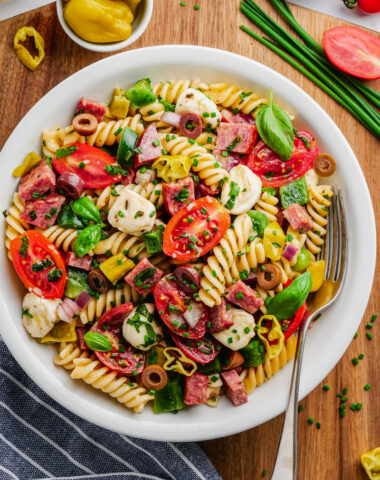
[289,252]
[193,315]
[83,299]
[193,119]
[171,118]
[67,309]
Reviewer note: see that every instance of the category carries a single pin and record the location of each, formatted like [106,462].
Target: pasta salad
[169,241]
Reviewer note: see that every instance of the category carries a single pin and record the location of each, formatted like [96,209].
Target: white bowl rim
[107,47]
[239,419]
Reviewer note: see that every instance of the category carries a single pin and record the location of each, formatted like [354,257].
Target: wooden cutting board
[333,451]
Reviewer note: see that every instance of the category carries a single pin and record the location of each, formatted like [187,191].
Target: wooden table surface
[333,451]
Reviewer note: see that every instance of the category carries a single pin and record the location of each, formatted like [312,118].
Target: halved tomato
[203,350]
[273,171]
[172,303]
[354,51]
[39,264]
[122,358]
[89,163]
[195,229]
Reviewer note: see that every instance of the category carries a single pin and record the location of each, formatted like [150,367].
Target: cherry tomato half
[353,50]
[89,163]
[203,350]
[195,229]
[122,358]
[273,171]
[171,304]
[39,264]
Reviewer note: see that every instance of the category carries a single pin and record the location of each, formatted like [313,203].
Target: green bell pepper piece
[170,398]
[285,304]
[303,260]
[213,367]
[126,149]
[140,94]
[76,283]
[253,353]
[153,240]
[259,221]
[294,192]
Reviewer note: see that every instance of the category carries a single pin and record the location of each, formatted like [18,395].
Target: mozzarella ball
[140,328]
[39,315]
[240,333]
[192,100]
[131,213]
[250,189]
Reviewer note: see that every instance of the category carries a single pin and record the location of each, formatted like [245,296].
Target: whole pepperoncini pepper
[23,53]
[99,21]
[270,332]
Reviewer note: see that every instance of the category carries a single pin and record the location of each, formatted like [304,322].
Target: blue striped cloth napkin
[39,439]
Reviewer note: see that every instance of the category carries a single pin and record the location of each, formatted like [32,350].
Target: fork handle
[286,461]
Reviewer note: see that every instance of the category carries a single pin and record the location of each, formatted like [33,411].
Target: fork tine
[340,271]
[330,239]
[339,246]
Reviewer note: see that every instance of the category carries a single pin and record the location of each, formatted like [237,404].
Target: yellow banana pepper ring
[172,167]
[30,160]
[178,362]
[61,332]
[270,335]
[23,54]
[273,241]
[371,463]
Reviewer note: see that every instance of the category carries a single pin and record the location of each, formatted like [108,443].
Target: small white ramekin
[139,26]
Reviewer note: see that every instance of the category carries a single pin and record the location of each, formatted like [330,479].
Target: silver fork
[335,254]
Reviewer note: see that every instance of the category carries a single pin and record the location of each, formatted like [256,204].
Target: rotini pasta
[318,208]
[113,298]
[15,225]
[61,237]
[214,390]
[267,204]
[231,96]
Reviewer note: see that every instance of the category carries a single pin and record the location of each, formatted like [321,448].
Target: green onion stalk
[318,68]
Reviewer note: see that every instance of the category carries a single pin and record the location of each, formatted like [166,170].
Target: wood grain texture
[329,453]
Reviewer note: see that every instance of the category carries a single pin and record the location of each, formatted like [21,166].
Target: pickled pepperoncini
[99,21]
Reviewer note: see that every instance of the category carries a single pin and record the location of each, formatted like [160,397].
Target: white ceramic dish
[139,26]
[330,336]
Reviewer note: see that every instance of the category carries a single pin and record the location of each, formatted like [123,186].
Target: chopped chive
[326,387]
[367,387]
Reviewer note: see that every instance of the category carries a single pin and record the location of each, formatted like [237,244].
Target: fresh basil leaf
[276,129]
[285,304]
[24,246]
[68,219]
[87,239]
[84,207]
[301,137]
[66,151]
[97,341]
[54,274]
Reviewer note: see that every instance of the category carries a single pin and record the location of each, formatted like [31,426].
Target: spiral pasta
[105,133]
[177,145]
[234,254]
[62,237]
[318,209]
[106,301]
[231,96]
[67,353]
[94,373]
[207,140]
[15,225]
[255,376]
[53,139]
[210,171]
[267,204]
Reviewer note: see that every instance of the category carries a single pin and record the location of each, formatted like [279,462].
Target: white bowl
[139,25]
[329,337]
